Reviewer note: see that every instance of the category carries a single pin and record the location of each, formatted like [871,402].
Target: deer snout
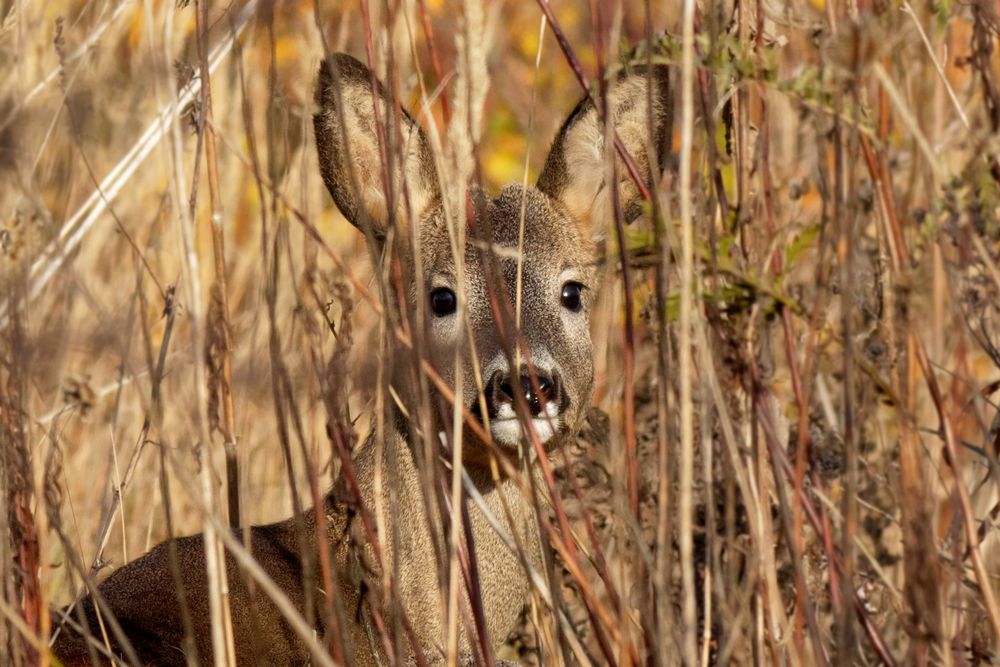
[539,392]
[543,393]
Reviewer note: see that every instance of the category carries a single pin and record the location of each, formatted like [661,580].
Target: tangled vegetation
[792,453]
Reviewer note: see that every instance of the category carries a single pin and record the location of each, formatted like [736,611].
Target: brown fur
[563,215]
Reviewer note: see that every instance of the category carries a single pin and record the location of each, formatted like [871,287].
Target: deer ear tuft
[348,146]
[575,171]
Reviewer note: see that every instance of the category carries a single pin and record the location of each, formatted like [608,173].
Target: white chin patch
[507,430]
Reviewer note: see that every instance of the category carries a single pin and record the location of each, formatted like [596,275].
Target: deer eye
[443,302]
[572,297]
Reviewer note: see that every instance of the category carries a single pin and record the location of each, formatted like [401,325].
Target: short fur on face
[568,209]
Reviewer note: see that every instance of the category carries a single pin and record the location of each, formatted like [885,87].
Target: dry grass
[793,455]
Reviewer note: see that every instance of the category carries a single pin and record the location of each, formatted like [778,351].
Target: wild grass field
[792,454]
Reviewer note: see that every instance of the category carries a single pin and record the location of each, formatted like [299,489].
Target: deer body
[548,394]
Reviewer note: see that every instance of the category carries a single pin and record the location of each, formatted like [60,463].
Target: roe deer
[562,214]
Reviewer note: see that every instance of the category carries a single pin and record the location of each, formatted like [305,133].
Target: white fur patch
[507,430]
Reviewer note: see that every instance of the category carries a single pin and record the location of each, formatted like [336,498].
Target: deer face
[525,278]
[547,360]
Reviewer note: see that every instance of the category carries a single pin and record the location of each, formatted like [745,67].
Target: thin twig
[685,368]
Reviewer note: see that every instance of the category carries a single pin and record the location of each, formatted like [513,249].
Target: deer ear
[348,147]
[575,172]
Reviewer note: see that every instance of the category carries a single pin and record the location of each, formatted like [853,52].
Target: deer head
[529,246]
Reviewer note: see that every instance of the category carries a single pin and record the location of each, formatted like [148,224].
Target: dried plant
[792,453]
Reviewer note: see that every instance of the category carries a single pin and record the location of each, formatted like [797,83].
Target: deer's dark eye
[572,297]
[443,302]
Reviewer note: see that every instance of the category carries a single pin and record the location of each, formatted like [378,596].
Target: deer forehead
[520,225]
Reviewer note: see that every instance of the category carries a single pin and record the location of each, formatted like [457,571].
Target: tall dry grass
[793,453]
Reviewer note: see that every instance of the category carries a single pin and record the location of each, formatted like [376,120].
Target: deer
[544,392]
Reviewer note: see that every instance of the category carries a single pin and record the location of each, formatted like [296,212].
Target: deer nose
[537,391]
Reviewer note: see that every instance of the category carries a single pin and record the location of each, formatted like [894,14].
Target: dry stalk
[224,332]
[685,368]
[660,609]
[218,602]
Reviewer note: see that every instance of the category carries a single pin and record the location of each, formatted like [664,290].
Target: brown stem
[218,250]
